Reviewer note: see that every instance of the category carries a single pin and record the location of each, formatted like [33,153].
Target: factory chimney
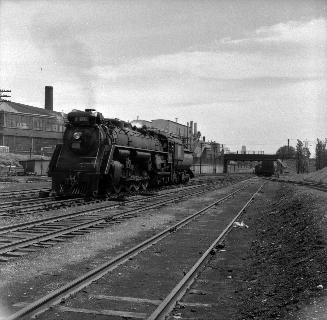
[191,135]
[48,104]
[195,129]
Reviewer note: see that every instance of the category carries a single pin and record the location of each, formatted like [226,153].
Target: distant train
[103,156]
[265,168]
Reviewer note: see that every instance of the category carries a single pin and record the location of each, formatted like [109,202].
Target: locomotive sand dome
[101,156]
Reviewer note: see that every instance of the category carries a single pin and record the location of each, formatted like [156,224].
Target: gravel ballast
[286,268]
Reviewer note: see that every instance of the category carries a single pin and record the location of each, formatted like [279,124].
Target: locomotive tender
[102,156]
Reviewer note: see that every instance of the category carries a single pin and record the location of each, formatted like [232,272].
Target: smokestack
[48,104]
[204,139]
[195,128]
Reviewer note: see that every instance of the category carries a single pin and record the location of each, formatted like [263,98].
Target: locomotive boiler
[103,156]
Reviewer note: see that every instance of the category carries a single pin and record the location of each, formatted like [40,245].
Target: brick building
[24,128]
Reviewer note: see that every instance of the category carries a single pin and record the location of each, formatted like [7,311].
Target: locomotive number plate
[76,145]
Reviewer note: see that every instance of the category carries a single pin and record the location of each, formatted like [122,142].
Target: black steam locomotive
[103,156]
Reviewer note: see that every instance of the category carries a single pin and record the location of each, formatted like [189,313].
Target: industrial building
[25,128]
[188,133]
[205,152]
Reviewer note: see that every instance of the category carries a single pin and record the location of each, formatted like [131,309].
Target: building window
[37,124]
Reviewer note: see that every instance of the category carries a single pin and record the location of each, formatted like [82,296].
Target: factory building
[140,123]
[206,152]
[25,128]
[170,126]
[188,133]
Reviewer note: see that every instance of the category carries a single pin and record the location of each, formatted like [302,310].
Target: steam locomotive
[103,156]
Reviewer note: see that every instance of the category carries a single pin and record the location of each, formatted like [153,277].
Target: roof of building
[11,106]
[164,120]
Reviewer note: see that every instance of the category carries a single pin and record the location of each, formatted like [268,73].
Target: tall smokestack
[48,104]
[195,128]
[191,135]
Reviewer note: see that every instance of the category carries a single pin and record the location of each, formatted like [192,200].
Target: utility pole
[187,132]
[200,157]
[3,94]
[288,148]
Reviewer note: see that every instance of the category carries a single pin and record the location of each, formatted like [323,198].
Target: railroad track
[32,205]
[21,193]
[151,292]
[26,192]
[313,185]
[20,239]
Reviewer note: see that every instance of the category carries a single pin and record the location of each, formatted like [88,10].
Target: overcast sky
[248,72]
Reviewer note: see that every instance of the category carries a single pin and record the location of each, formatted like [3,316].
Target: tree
[321,154]
[284,153]
[302,157]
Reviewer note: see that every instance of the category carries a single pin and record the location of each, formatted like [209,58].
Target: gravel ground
[274,268]
[77,249]
[319,176]
[285,274]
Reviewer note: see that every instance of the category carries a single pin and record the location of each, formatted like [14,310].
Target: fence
[201,168]
[4,149]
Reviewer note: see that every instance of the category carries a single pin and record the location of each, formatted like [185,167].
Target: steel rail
[8,203]
[25,191]
[32,206]
[179,290]
[20,244]
[52,203]
[39,306]
[38,222]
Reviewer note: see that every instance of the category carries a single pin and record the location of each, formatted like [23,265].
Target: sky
[249,72]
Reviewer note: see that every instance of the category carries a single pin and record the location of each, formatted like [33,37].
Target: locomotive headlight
[77,135]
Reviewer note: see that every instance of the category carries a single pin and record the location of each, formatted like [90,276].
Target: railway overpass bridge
[247,157]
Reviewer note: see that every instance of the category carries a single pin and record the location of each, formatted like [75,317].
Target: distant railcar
[102,156]
[265,168]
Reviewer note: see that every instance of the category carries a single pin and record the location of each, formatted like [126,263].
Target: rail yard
[163,160]
[124,227]
[196,251]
